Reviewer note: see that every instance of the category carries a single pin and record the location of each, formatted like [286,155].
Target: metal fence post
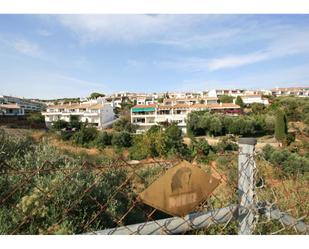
[246,185]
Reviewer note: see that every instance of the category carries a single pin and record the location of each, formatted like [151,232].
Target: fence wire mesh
[65,197]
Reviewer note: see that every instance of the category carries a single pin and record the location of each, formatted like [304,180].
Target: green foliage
[121,139]
[160,100]
[11,146]
[46,197]
[96,95]
[227,143]
[239,102]
[172,140]
[148,144]
[60,124]
[124,124]
[280,126]
[295,108]
[291,163]
[103,139]
[35,118]
[205,123]
[200,150]
[74,122]
[85,135]
[226,99]
[257,108]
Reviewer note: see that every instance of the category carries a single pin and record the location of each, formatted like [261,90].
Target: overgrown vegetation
[206,123]
[290,163]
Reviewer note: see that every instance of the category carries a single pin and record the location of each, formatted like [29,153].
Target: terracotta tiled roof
[165,107]
[223,106]
[290,89]
[76,106]
[181,106]
[145,106]
[9,106]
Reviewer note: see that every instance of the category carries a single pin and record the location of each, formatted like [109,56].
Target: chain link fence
[89,198]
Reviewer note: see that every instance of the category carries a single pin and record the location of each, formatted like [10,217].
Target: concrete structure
[11,110]
[255,98]
[26,104]
[291,91]
[172,111]
[96,113]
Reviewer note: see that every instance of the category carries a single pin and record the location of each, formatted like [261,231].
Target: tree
[124,124]
[35,117]
[103,139]
[257,108]
[74,122]
[239,102]
[122,139]
[172,139]
[160,100]
[215,126]
[60,124]
[85,135]
[280,126]
[96,95]
[226,99]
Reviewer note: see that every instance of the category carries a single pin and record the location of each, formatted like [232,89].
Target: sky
[53,56]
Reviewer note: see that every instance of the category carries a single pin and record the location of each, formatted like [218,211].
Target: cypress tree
[239,102]
[280,126]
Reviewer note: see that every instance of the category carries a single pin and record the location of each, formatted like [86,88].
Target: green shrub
[267,150]
[66,135]
[227,144]
[60,124]
[122,139]
[103,139]
[124,124]
[138,153]
[85,135]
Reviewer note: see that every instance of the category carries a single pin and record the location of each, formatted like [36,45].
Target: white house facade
[146,116]
[97,114]
[11,110]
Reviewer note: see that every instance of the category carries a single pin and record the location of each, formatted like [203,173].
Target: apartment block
[96,113]
[174,111]
[291,91]
[254,98]
[11,110]
[26,104]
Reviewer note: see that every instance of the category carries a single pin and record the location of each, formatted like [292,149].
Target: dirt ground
[261,142]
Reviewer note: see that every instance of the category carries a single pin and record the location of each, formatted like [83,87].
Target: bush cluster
[291,163]
[206,123]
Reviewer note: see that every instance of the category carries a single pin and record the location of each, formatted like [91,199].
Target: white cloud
[235,61]
[27,48]
[289,44]
[172,30]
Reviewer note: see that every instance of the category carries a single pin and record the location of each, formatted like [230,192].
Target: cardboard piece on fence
[180,189]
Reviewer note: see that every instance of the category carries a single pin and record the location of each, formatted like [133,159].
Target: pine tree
[280,126]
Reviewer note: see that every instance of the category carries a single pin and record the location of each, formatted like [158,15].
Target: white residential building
[146,116]
[11,110]
[255,98]
[145,100]
[26,104]
[291,91]
[96,113]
